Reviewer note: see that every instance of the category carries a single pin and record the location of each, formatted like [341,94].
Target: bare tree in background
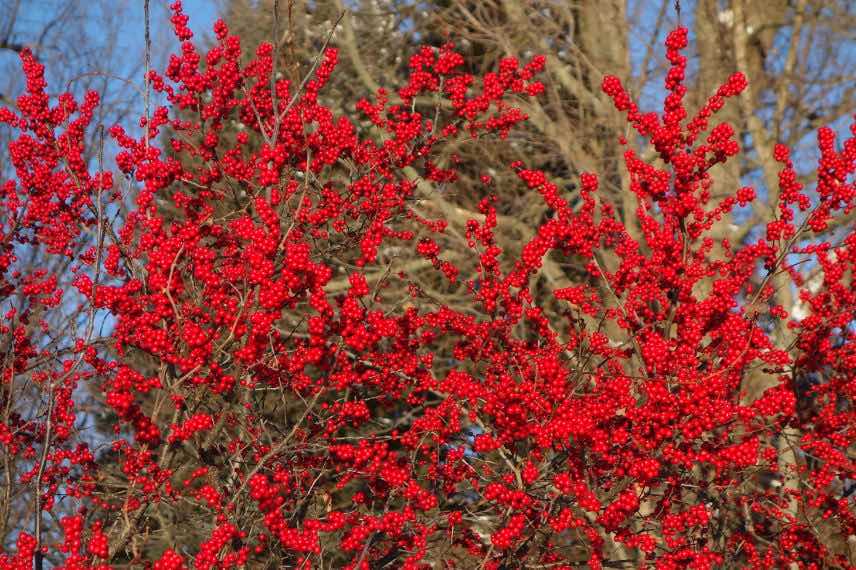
[799,57]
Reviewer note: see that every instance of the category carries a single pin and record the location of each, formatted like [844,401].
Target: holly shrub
[234,302]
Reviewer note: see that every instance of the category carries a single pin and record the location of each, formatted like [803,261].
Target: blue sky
[202,14]
[77,41]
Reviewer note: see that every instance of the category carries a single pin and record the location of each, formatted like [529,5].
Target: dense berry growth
[272,399]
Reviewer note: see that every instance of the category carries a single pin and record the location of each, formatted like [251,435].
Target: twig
[37,530]
[148,64]
[306,77]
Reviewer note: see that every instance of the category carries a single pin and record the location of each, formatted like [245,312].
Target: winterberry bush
[237,304]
